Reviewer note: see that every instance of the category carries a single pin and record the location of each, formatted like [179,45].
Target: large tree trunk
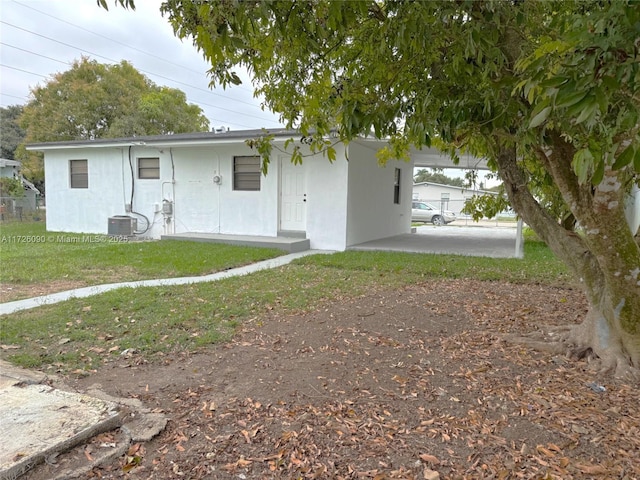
[605,258]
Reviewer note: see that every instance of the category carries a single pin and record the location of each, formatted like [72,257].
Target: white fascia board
[165,144]
[151,144]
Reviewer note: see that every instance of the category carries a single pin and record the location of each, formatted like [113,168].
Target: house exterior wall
[432,193]
[372,213]
[9,172]
[9,168]
[186,179]
[327,185]
[84,210]
[347,201]
[201,205]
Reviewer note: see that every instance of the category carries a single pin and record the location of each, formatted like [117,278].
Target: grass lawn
[31,255]
[79,334]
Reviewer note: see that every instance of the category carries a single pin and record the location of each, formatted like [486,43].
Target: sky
[39,38]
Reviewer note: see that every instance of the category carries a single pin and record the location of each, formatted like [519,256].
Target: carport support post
[519,240]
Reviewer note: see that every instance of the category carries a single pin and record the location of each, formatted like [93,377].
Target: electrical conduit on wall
[169,204]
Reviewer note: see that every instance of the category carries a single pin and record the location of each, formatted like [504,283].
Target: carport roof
[432,157]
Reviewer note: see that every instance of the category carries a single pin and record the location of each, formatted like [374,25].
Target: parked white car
[425,212]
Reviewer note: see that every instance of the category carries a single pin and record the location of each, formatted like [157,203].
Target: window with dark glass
[78,174]
[396,186]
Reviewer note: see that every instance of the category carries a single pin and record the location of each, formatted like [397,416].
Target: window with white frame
[246,173]
[148,168]
[78,174]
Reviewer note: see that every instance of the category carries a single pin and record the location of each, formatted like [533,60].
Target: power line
[12,96]
[114,40]
[144,71]
[34,53]
[21,70]
[203,103]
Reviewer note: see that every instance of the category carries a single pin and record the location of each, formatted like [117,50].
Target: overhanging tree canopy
[548,91]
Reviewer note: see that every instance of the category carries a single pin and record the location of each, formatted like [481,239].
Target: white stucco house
[448,197]
[212,183]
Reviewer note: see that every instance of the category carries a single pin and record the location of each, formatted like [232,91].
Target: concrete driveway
[476,240]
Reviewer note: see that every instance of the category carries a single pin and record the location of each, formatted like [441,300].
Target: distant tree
[11,187]
[162,110]
[11,134]
[435,176]
[94,100]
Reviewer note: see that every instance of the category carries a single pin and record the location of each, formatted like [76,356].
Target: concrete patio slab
[496,242]
[38,420]
[288,244]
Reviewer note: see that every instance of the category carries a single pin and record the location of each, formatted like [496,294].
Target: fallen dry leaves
[407,384]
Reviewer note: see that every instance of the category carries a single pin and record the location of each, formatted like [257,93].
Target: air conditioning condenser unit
[122,225]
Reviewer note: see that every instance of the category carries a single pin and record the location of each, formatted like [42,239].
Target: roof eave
[192,139]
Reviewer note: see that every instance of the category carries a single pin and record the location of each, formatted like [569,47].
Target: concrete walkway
[496,242]
[10,307]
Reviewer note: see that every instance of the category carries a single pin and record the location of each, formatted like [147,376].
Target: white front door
[293,197]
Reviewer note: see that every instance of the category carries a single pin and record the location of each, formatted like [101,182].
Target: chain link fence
[28,207]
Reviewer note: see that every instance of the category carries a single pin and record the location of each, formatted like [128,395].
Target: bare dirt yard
[413,383]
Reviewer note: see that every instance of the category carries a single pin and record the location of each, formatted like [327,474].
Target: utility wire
[13,96]
[144,71]
[115,41]
[21,70]
[34,53]
[199,103]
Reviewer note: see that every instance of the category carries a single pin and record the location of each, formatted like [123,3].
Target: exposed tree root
[539,344]
[572,342]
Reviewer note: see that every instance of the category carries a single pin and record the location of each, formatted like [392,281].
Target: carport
[476,241]
[462,237]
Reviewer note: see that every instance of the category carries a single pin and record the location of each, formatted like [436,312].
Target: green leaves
[11,187]
[583,164]
[538,117]
[585,109]
[124,3]
[93,100]
[628,155]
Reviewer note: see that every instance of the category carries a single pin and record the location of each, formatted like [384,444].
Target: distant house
[9,168]
[212,183]
[28,202]
[447,197]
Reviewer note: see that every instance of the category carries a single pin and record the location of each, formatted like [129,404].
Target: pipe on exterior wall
[169,212]
[133,181]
